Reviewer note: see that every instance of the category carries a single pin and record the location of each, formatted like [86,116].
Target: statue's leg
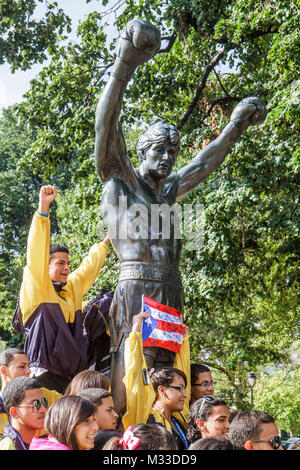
[158,357]
[117,373]
[150,355]
[119,331]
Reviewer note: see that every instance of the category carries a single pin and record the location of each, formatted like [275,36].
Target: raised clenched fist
[47,195]
[250,111]
[139,42]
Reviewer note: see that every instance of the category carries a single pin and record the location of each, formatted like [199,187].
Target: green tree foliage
[277,394]
[18,193]
[241,284]
[24,40]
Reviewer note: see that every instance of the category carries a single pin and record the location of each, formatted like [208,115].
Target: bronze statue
[149,263]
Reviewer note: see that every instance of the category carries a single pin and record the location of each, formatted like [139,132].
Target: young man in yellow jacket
[50,303]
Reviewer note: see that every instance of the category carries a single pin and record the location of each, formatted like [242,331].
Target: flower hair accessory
[128,440]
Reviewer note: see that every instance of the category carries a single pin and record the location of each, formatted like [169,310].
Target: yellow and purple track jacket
[52,321]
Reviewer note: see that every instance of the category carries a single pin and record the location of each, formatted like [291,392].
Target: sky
[14,85]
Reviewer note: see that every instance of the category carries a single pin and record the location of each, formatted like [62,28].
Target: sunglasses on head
[205,399]
[275,442]
[37,404]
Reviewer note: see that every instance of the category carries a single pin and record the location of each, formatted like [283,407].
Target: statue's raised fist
[139,42]
[250,111]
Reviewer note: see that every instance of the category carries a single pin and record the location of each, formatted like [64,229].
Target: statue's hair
[158,132]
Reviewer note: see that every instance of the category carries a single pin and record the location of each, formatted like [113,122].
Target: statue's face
[160,159]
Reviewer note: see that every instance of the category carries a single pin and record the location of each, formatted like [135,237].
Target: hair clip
[128,440]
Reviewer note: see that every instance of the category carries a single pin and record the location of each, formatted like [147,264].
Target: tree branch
[221,84]
[200,88]
[224,99]
[171,40]
[273,29]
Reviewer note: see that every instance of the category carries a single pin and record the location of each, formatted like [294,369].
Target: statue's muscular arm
[139,43]
[250,111]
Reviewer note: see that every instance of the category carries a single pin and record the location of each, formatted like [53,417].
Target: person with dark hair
[233,412]
[15,363]
[87,379]
[26,406]
[161,397]
[103,436]
[212,443]
[49,309]
[106,417]
[143,437]
[201,382]
[208,417]
[71,425]
[254,430]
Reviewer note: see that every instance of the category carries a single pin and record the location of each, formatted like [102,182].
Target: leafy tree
[276,394]
[17,195]
[24,40]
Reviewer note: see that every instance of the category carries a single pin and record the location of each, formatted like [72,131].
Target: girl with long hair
[71,425]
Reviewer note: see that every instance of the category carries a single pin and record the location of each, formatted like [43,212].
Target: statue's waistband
[150,272]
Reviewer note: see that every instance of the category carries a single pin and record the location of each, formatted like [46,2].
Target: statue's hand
[250,111]
[139,42]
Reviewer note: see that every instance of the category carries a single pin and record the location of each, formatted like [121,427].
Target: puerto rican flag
[163,328]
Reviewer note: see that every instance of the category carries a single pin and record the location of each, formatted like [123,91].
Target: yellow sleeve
[3,421]
[140,397]
[36,278]
[38,242]
[85,275]
[183,362]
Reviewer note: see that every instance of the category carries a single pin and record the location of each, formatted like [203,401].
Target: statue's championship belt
[150,272]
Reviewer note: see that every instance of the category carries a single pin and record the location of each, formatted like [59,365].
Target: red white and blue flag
[164,327]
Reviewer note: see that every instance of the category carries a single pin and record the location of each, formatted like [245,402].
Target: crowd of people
[35,418]
[54,398]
